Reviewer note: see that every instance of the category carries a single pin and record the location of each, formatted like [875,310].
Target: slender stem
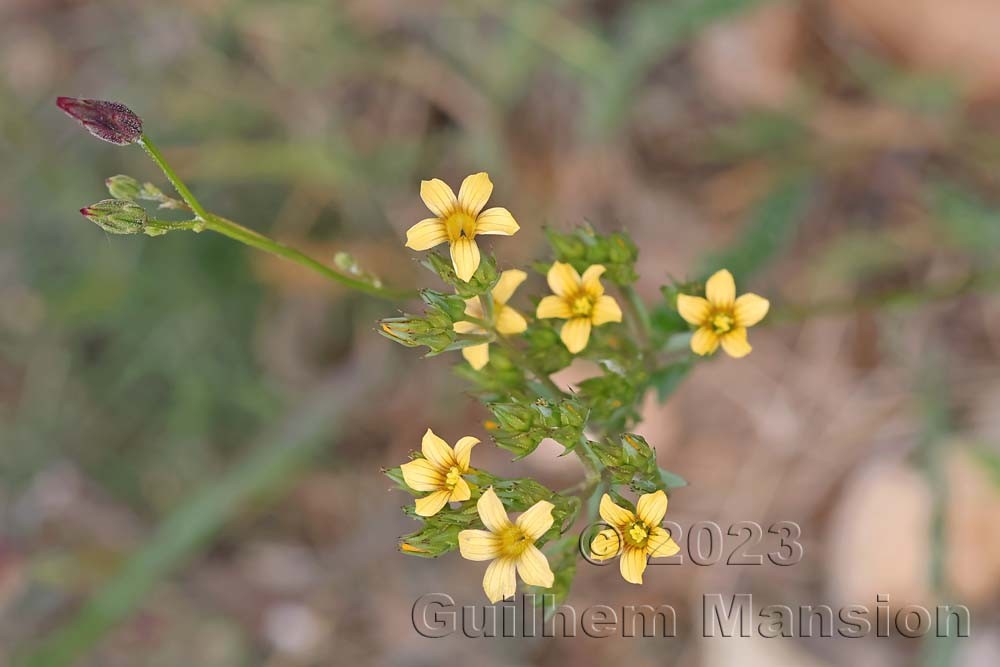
[583,486]
[249,237]
[257,240]
[638,315]
[155,226]
[156,156]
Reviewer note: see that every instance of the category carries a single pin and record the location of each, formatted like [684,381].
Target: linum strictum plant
[512,339]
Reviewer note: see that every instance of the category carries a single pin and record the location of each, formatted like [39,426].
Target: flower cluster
[512,351]
[511,356]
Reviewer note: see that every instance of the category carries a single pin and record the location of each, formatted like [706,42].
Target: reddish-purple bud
[109,121]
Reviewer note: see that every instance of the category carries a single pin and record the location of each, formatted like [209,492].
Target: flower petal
[491,511]
[508,282]
[437,450]
[704,341]
[660,544]
[474,307]
[750,309]
[605,545]
[606,310]
[432,504]
[465,257]
[496,221]
[438,197]
[633,564]
[461,492]
[536,519]
[500,581]
[475,191]
[563,279]
[534,568]
[464,327]
[693,309]
[735,343]
[426,234]
[553,306]
[478,545]
[614,514]
[463,451]
[477,355]
[651,508]
[422,475]
[575,334]
[509,321]
[721,289]
[591,280]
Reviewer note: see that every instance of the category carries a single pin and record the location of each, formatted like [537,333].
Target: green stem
[154,226]
[638,315]
[257,240]
[156,156]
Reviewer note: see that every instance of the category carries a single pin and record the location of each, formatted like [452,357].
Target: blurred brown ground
[315,121]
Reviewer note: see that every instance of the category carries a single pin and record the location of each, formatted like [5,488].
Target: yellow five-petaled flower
[506,320]
[440,472]
[580,300]
[721,317]
[636,536]
[511,546]
[458,220]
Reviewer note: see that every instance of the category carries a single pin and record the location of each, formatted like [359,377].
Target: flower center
[513,542]
[721,322]
[460,224]
[581,305]
[451,479]
[637,534]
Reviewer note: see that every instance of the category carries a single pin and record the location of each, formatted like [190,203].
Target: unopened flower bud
[124,187]
[513,417]
[116,216]
[110,121]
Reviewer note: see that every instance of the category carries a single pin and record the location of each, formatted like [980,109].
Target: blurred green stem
[257,240]
[638,316]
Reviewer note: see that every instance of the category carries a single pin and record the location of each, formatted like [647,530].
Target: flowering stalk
[257,240]
[509,352]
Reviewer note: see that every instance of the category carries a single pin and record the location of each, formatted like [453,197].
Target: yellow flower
[458,220]
[511,546]
[440,472]
[637,536]
[721,317]
[580,300]
[506,320]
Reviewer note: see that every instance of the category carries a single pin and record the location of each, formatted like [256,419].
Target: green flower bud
[567,246]
[449,305]
[513,417]
[124,187]
[116,216]
[481,282]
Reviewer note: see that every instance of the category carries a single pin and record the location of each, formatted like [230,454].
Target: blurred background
[192,434]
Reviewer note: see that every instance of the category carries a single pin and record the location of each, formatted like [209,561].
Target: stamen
[637,534]
[582,305]
[460,224]
[513,542]
[722,322]
[451,479]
